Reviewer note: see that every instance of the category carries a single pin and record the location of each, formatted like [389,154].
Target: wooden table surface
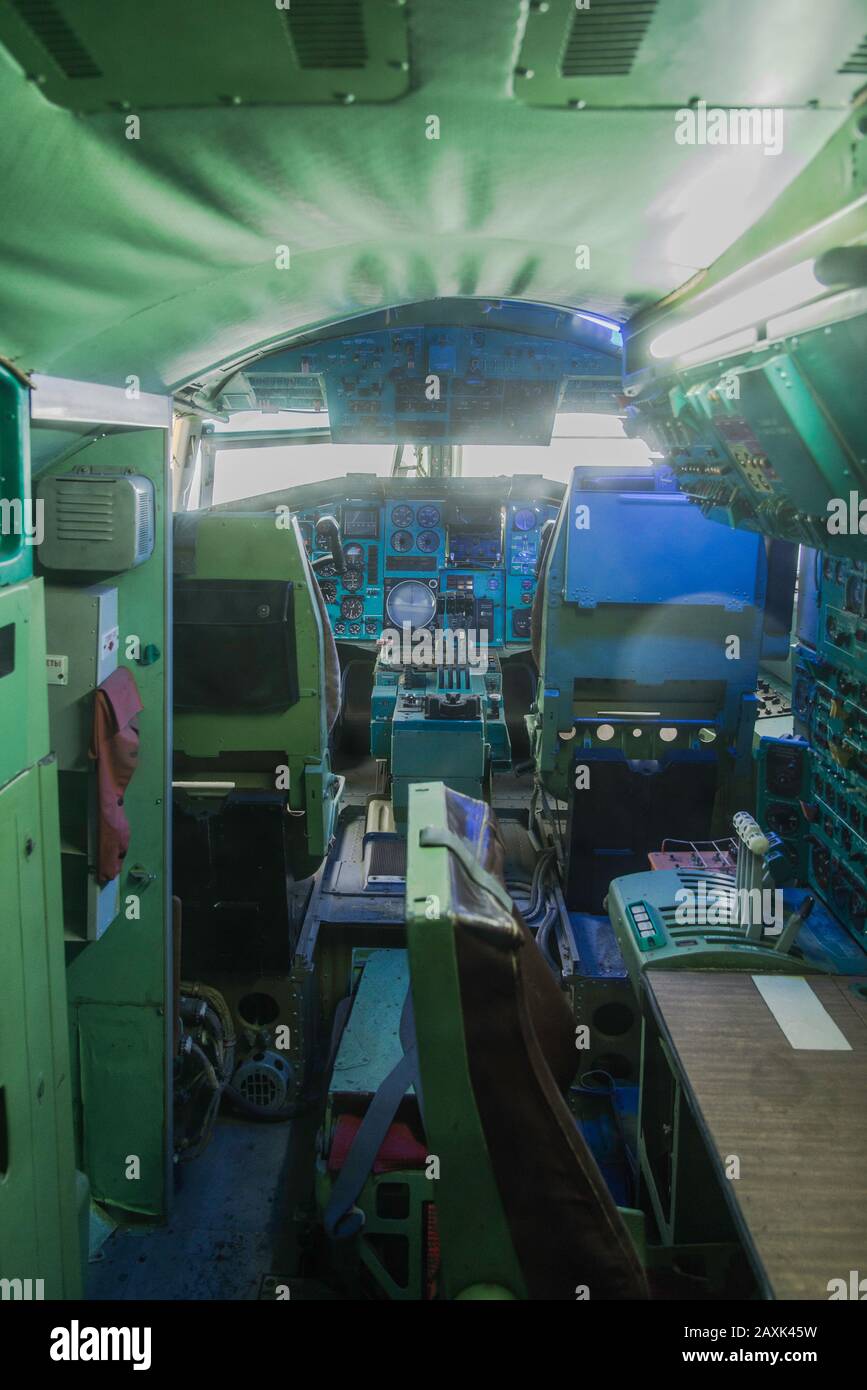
[796,1119]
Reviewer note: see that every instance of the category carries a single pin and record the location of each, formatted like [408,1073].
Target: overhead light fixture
[614,327]
[722,347]
[789,290]
[846,305]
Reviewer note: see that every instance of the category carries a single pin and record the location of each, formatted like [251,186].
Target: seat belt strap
[342,1217]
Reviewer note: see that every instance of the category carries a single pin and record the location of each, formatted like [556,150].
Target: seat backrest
[496,1047]
[647,631]
[257,680]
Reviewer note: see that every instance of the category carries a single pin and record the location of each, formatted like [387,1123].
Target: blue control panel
[444,561]
[442,384]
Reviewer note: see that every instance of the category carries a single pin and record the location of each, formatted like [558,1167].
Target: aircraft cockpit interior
[433,654]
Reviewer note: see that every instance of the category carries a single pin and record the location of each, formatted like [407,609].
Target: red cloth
[115,749]
[399,1149]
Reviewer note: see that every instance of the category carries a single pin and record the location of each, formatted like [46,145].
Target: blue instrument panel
[433,562]
[447,383]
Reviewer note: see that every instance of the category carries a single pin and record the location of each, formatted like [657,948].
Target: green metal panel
[119,986]
[92,57]
[649,53]
[39,1236]
[23,741]
[119,1046]
[476,1242]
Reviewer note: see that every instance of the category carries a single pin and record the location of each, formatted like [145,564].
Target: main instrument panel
[498,381]
[451,559]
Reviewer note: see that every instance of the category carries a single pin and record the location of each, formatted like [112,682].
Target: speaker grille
[85,511]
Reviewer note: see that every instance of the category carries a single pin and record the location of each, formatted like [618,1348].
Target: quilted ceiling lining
[158,256]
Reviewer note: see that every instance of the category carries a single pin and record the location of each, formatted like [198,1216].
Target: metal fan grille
[604,40]
[260,1089]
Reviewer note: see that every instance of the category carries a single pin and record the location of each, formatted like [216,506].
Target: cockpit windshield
[257,466]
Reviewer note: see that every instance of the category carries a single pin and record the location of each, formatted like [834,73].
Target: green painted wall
[118,986]
[38,1225]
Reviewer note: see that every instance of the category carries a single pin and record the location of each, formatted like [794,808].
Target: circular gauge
[524,520]
[329,592]
[428,540]
[352,580]
[428,516]
[326,571]
[323,533]
[411,602]
[351,609]
[402,516]
[354,556]
[401,541]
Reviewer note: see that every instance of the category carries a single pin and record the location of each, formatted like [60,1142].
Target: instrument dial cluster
[404,563]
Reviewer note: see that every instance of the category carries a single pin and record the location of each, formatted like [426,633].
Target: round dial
[402,516]
[326,571]
[428,516]
[354,556]
[401,541]
[329,591]
[322,536]
[525,519]
[428,540]
[351,608]
[412,602]
[352,580]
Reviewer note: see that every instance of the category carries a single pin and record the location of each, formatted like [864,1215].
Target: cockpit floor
[224,1234]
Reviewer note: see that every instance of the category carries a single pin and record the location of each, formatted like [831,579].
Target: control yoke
[327,526]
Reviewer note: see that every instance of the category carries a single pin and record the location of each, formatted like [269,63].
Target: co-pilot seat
[647,631]
[450,1165]
[256,676]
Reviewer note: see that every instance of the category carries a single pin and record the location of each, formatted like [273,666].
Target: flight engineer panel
[433,562]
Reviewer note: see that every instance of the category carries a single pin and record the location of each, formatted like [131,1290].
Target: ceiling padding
[664,53]
[90,55]
[165,243]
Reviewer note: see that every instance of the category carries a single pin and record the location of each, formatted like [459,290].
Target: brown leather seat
[520,1039]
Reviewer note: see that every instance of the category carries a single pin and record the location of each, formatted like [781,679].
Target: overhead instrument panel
[456,560]
[438,385]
